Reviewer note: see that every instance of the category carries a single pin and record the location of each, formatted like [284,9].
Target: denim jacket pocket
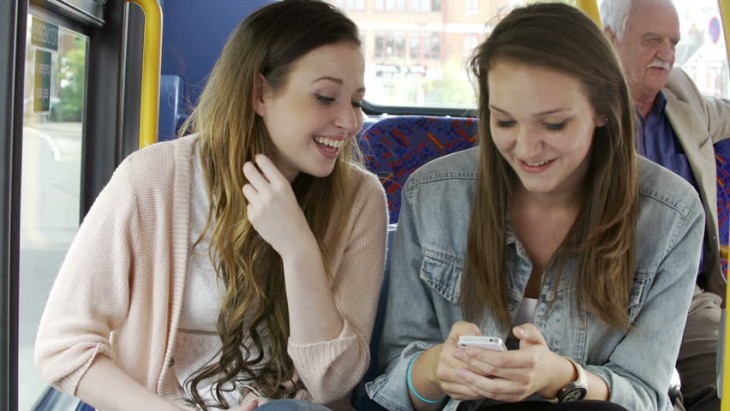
[639,291]
[442,272]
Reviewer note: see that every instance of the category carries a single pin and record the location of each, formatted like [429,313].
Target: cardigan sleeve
[331,369]
[90,296]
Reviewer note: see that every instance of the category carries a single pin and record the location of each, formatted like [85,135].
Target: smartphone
[490,343]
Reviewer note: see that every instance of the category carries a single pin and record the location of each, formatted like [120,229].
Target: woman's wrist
[564,373]
[424,394]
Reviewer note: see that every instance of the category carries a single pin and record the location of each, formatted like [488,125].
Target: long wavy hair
[602,238]
[253,321]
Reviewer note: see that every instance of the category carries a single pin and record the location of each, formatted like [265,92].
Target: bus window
[701,52]
[55,72]
[416,50]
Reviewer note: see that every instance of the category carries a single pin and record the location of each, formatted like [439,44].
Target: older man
[677,130]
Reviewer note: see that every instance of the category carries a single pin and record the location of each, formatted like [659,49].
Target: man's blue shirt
[659,143]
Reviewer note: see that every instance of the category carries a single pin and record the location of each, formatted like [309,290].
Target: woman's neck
[545,201]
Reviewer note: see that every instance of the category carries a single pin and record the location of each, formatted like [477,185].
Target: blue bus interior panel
[194,33]
[394,147]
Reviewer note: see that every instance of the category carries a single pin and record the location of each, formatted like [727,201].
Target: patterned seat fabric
[396,146]
[722,155]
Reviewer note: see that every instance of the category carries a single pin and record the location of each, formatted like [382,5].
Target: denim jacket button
[551,296]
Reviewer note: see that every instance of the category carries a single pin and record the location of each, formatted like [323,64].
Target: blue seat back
[722,157]
[394,147]
[360,399]
[54,400]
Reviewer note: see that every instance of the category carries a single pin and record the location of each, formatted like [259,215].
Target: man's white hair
[615,14]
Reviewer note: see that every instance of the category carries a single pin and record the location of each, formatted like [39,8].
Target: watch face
[573,394]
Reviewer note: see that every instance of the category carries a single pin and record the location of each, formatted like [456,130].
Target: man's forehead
[654,19]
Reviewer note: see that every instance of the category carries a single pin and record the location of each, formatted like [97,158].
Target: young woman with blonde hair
[242,262]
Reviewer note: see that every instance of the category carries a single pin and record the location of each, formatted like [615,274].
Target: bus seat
[171,106]
[722,155]
[54,400]
[394,147]
[360,399]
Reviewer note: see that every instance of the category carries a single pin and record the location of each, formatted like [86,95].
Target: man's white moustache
[660,64]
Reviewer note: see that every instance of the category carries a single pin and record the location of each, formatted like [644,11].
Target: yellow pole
[590,7]
[725,17]
[149,110]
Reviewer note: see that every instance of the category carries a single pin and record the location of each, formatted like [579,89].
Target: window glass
[416,50]
[701,50]
[349,4]
[53,106]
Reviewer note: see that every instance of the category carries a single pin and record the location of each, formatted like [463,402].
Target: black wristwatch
[576,390]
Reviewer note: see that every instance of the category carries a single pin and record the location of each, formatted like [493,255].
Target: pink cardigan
[120,288]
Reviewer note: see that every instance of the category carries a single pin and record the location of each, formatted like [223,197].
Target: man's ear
[259,94]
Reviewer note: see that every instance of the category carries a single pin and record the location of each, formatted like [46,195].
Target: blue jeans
[292,405]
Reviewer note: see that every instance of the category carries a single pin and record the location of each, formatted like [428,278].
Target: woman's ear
[600,121]
[259,94]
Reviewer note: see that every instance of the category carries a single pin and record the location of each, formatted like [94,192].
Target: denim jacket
[427,262]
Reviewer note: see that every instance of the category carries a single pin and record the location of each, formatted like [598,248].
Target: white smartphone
[490,343]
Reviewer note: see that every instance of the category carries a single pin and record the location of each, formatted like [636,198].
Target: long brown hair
[253,320]
[602,239]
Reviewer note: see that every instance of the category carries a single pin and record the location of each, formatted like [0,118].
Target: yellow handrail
[150,105]
[590,7]
[725,17]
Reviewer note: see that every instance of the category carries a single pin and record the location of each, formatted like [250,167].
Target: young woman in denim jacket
[553,234]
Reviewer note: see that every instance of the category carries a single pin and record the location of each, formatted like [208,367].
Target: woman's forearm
[106,387]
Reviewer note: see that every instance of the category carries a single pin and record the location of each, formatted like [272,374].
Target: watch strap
[574,390]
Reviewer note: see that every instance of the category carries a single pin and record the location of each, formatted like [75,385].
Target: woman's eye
[505,123]
[555,126]
[357,104]
[325,99]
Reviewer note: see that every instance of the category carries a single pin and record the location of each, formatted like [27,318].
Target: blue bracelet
[412,388]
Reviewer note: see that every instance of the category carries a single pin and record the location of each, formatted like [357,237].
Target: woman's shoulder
[364,180]
[162,151]
[459,165]
[158,161]
[663,188]
[159,156]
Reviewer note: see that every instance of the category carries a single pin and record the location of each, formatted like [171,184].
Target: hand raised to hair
[513,375]
[273,209]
